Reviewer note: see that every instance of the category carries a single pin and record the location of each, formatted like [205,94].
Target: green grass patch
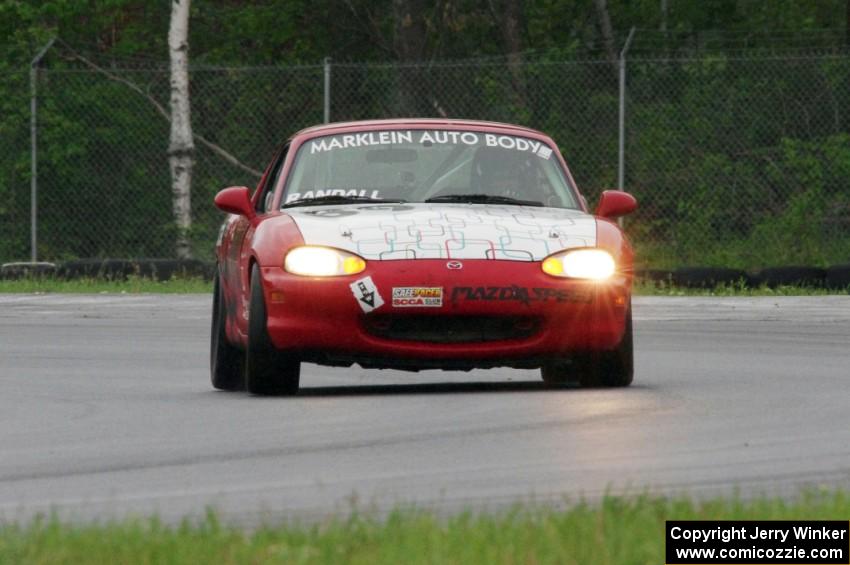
[136,285]
[133,285]
[618,530]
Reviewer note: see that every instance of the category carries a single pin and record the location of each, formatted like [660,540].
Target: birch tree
[181,147]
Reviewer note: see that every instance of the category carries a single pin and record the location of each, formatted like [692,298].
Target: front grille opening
[451,329]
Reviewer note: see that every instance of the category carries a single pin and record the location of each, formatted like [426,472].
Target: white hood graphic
[445,231]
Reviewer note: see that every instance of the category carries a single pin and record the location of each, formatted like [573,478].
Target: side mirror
[615,203]
[235,200]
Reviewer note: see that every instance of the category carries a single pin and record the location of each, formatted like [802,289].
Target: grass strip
[132,285]
[182,285]
[618,530]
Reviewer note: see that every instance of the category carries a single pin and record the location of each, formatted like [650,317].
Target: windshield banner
[428,138]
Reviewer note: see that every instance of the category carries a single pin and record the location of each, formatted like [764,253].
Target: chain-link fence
[736,161]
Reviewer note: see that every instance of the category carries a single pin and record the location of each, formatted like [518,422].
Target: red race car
[420,244]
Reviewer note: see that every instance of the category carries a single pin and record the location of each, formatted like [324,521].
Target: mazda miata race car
[420,244]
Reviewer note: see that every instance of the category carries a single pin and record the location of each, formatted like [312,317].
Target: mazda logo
[454,265]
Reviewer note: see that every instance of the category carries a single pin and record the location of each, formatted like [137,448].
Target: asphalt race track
[106,410]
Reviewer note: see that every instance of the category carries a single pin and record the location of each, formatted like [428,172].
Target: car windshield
[428,166]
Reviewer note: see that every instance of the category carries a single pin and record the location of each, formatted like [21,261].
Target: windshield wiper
[340,199]
[483,199]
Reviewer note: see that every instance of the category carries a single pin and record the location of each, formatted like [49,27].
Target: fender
[273,238]
[268,239]
[610,237]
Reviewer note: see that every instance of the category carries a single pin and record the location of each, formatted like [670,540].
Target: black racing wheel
[267,370]
[226,360]
[613,368]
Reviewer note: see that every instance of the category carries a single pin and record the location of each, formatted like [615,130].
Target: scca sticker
[521,294]
[417,297]
[366,293]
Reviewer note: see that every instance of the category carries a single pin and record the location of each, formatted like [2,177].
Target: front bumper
[491,313]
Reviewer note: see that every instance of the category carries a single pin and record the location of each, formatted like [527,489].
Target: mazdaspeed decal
[522,294]
[417,297]
[366,293]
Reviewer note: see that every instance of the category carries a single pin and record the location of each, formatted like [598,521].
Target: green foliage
[740,163]
[737,160]
[785,206]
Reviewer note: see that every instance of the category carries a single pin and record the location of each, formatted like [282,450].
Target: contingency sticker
[366,293]
[417,297]
[544,152]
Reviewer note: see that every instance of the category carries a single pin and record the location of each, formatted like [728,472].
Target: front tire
[613,368]
[267,370]
[226,361]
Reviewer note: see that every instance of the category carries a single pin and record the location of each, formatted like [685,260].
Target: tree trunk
[181,148]
[847,23]
[409,39]
[606,30]
[513,46]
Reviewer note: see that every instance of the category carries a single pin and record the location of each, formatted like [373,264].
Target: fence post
[327,93]
[34,150]
[621,164]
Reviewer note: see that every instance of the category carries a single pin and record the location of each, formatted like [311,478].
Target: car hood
[445,231]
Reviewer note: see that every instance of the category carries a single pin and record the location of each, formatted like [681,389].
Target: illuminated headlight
[312,261]
[593,264]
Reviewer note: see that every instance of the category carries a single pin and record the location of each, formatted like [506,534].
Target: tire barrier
[838,277]
[27,270]
[121,269]
[709,277]
[656,276]
[791,276]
